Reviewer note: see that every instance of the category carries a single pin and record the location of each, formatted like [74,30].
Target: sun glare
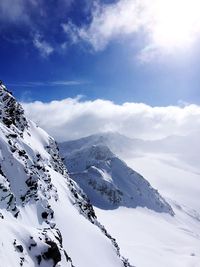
[176,23]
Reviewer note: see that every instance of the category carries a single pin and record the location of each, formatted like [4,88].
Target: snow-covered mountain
[149,238]
[117,143]
[184,148]
[107,180]
[45,218]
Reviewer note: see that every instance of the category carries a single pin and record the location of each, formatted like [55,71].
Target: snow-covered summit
[115,141]
[46,219]
[108,181]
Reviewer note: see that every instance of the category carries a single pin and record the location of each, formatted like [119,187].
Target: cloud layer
[73,118]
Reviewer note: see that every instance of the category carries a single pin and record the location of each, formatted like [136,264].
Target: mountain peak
[109,182]
[11,112]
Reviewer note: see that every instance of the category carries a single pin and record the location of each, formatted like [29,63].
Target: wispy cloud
[30,17]
[44,48]
[66,83]
[47,83]
[72,31]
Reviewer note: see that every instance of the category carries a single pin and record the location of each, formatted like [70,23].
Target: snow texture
[107,180]
[45,218]
[149,238]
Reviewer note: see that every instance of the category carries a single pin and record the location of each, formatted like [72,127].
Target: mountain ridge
[108,181]
[37,196]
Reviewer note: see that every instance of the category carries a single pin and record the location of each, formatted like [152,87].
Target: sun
[174,23]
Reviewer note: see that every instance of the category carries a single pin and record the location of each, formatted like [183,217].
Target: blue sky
[58,49]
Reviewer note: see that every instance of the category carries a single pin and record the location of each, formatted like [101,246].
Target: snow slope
[45,218]
[152,239]
[109,182]
[149,238]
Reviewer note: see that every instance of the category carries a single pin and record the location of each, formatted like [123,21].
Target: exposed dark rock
[19,248]
[44,215]
[39,259]
[53,252]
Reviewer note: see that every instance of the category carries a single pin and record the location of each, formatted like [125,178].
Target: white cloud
[169,25]
[73,118]
[112,21]
[44,48]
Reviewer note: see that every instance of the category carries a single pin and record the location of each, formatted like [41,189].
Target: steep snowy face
[45,219]
[109,182]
